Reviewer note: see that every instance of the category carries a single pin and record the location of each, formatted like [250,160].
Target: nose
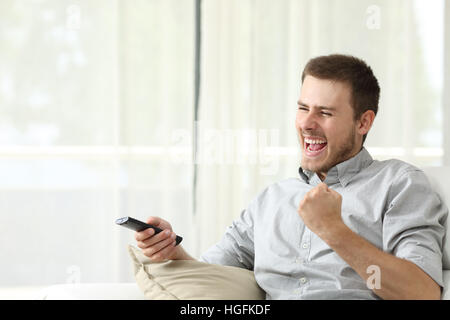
[306,121]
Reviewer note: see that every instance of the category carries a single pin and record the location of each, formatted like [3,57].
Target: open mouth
[314,147]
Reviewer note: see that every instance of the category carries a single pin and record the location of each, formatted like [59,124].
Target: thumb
[324,186]
[154,221]
[335,193]
[158,222]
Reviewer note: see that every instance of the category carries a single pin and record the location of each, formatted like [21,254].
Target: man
[350,227]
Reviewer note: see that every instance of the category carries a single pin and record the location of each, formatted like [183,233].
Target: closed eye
[326,114]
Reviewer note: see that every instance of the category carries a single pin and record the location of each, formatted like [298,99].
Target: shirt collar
[342,172]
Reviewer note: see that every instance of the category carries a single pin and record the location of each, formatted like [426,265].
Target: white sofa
[438,176]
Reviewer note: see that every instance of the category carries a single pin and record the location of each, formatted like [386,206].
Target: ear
[365,122]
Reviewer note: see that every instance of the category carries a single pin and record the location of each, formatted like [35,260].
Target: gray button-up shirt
[389,203]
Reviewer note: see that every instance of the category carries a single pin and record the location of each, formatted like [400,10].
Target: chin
[313,166]
[318,165]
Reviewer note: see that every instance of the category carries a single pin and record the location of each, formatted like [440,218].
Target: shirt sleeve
[236,248]
[413,225]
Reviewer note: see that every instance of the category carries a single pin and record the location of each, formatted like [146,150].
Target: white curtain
[253,55]
[92,94]
[97,115]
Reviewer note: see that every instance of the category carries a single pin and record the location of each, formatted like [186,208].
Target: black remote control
[136,225]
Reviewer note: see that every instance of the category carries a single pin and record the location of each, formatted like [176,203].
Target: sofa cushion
[188,279]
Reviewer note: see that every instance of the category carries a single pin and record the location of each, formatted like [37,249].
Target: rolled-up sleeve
[413,225]
[236,248]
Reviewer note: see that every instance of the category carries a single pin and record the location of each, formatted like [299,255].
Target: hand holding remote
[161,246]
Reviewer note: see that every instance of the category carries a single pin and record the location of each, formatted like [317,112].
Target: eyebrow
[300,103]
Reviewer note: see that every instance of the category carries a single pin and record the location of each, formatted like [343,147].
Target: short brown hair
[353,71]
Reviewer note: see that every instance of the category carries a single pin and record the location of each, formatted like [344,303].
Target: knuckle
[145,245]
[138,236]
[165,234]
[156,257]
[147,252]
[151,254]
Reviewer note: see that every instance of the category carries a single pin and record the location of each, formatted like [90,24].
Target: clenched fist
[320,210]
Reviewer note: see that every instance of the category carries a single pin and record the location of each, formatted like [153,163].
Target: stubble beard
[343,153]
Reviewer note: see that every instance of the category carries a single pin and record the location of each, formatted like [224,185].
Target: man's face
[325,124]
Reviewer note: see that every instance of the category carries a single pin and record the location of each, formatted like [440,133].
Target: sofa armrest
[92,291]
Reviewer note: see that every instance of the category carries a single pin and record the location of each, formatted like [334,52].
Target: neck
[322,175]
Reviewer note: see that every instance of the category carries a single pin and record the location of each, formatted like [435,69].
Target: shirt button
[303,280]
[305,245]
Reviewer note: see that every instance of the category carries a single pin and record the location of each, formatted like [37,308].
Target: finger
[302,202]
[164,253]
[323,186]
[163,235]
[158,222]
[154,221]
[147,242]
[319,187]
[337,194]
[333,192]
[144,234]
[158,246]
[311,192]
